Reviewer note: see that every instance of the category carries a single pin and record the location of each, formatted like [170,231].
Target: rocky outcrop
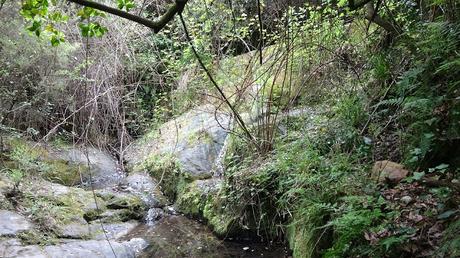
[182,150]
[194,140]
[76,222]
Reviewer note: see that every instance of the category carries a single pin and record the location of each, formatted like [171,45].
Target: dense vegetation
[319,93]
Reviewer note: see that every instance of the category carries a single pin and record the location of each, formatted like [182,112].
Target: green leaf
[418,175]
[447,214]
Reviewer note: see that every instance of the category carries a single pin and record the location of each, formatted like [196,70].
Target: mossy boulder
[104,169]
[191,142]
[33,159]
[65,173]
[202,199]
[123,206]
[222,221]
[67,165]
[53,206]
[193,197]
[166,170]
[144,186]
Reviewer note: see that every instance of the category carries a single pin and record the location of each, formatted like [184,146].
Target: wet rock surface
[141,184]
[105,171]
[12,223]
[77,249]
[81,221]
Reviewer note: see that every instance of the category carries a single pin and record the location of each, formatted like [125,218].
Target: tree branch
[156,26]
[372,16]
[2,2]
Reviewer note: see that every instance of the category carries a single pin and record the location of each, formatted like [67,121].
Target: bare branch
[156,26]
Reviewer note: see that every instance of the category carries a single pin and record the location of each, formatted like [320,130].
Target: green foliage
[298,189]
[126,4]
[351,110]
[424,96]
[91,29]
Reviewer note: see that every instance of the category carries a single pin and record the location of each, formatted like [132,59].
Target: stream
[167,233]
[132,214]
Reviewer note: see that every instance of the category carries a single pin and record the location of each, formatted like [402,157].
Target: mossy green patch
[191,200]
[205,202]
[201,136]
[132,206]
[166,170]
[65,173]
[51,209]
[221,221]
[32,159]
[34,237]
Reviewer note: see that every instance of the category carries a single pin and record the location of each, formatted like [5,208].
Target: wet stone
[12,223]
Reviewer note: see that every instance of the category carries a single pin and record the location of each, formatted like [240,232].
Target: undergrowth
[314,188]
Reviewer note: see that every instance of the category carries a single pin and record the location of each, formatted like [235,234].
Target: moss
[306,233]
[299,238]
[201,136]
[36,160]
[191,200]
[65,173]
[198,202]
[34,237]
[49,211]
[166,170]
[220,220]
[132,207]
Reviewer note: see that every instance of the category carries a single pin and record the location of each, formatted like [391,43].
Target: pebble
[406,199]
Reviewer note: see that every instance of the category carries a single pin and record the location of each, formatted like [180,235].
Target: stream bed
[165,231]
[178,236]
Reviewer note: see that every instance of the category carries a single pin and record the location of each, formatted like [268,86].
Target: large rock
[75,249]
[112,230]
[12,223]
[79,200]
[193,197]
[388,172]
[104,169]
[142,185]
[194,139]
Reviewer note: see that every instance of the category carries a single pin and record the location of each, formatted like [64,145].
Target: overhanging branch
[156,25]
